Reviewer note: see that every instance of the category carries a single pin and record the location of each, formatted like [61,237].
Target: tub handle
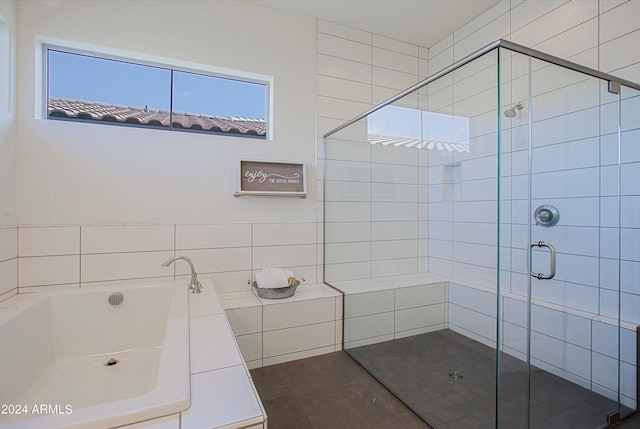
[552,254]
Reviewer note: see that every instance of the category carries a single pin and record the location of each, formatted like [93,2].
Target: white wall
[70,173]
[8,22]
[8,232]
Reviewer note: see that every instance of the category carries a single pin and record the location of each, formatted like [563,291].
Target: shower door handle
[552,254]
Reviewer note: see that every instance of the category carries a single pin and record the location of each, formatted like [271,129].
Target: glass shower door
[571,245]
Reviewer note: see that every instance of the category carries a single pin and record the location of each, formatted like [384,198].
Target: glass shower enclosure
[481,226]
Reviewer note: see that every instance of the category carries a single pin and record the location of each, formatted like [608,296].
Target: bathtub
[77,359]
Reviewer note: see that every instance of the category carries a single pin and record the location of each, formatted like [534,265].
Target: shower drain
[111,362]
[455,375]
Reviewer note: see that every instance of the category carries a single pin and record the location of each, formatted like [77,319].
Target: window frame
[42,81]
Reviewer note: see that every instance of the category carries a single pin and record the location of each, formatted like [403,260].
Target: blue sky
[80,77]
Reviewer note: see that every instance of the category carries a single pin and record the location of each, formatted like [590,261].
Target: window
[98,89]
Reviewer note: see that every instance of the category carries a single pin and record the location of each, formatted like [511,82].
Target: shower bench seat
[271,331]
[387,308]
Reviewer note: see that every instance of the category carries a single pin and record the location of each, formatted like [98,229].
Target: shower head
[512,112]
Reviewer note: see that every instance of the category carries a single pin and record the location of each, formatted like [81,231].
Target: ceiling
[421,22]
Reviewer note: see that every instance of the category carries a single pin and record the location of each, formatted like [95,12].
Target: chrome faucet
[194,284]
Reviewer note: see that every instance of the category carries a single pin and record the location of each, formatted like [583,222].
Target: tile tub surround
[272,331]
[78,256]
[222,392]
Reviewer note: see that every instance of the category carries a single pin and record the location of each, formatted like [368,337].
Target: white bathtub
[54,347]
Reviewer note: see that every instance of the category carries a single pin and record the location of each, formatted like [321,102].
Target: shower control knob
[546,215]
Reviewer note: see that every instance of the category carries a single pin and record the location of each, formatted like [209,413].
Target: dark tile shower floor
[332,391]
[449,380]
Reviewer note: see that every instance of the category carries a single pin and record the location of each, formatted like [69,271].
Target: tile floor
[333,391]
[449,380]
[329,391]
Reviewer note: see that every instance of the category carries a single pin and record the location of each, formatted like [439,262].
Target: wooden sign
[272,178]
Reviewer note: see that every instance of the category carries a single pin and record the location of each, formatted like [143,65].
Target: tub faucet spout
[194,284]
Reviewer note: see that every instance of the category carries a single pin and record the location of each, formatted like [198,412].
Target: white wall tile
[417,296]
[555,22]
[246,320]
[393,155]
[473,299]
[293,314]
[348,171]
[369,326]
[360,304]
[391,192]
[49,241]
[8,275]
[621,52]
[334,87]
[340,108]
[301,338]
[395,45]
[579,44]
[214,260]
[474,232]
[566,156]
[477,323]
[212,236]
[234,281]
[606,5]
[347,191]
[419,317]
[618,21]
[347,252]
[266,234]
[129,238]
[494,30]
[250,346]
[393,249]
[347,271]
[562,184]
[475,274]
[560,354]
[528,11]
[566,127]
[394,230]
[395,60]
[394,267]
[383,212]
[120,266]
[284,256]
[387,173]
[336,232]
[8,243]
[343,48]
[48,270]
[561,325]
[354,147]
[344,69]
